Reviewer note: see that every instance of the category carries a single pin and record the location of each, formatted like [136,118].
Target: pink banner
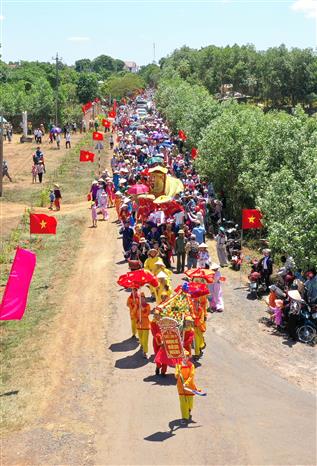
[16,293]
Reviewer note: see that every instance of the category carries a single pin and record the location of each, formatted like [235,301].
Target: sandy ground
[89,398]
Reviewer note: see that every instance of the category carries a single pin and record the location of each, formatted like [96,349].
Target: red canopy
[137,278]
[170,208]
[193,289]
[206,274]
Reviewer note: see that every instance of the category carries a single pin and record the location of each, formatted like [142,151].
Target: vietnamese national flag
[86,156]
[112,114]
[97,136]
[86,107]
[194,152]
[41,224]
[182,135]
[251,218]
[106,123]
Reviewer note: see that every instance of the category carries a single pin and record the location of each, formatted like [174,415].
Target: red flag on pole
[41,224]
[182,135]
[86,156]
[251,218]
[97,136]
[106,123]
[86,107]
[112,114]
[194,152]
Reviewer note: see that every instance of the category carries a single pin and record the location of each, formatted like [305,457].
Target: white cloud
[78,39]
[308,7]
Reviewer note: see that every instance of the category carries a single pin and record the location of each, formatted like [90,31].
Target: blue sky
[126,29]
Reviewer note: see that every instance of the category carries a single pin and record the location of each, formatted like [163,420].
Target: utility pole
[57,60]
[154,57]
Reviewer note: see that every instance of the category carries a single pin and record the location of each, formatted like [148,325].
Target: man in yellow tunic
[133,304]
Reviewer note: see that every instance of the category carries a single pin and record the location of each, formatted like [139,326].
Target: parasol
[205,274]
[137,278]
[194,290]
[138,189]
[56,130]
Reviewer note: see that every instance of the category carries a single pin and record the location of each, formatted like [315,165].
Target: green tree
[87,87]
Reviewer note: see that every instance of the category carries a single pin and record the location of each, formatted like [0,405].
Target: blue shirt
[199,232]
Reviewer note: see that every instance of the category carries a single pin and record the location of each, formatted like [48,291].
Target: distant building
[131,66]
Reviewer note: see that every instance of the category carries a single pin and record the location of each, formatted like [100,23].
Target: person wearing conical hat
[164,289]
[217,303]
[203,256]
[118,201]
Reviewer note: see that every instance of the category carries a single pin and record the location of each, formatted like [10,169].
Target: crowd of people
[162,233]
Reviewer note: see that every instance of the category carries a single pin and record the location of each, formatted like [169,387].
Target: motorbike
[257,284]
[307,324]
[236,259]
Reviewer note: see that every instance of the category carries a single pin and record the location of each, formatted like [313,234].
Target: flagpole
[241,255]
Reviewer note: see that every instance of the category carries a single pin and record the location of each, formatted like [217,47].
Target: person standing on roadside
[58,197]
[40,171]
[58,141]
[5,170]
[180,244]
[68,137]
[192,250]
[221,240]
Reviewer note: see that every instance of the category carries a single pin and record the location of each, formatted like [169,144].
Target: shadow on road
[125,345]
[168,379]
[135,361]
[12,392]
[173,426]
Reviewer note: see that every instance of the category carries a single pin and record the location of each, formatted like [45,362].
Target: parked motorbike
[236,259]
[307,324]
[257,284]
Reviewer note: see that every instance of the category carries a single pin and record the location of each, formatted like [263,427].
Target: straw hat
[202,245]
[295,295]
[142,240]
[56,185]
[161,275]
[153,250]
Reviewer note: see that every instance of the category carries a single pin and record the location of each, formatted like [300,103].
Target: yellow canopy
[158,169]
[173,186]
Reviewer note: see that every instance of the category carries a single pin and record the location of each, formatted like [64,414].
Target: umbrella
[56,130]
[193,289]
[137,278]
[138,189]
[205,274]
[154,160]
[162,199]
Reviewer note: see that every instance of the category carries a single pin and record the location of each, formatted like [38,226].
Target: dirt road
[91,399]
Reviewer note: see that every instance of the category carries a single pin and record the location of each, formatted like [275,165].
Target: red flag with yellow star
[41,224]
[251,218]
[86,156]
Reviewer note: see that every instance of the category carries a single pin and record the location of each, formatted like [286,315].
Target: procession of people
[161,205]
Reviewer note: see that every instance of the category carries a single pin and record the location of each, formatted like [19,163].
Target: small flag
[41,224]
[112,114]
[182,135]
[194,152]
[251,218]
[16,291]
[97,136]
[106,123]
[86,156]
[86,107]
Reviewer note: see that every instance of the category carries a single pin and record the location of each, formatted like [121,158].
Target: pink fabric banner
[16,292]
